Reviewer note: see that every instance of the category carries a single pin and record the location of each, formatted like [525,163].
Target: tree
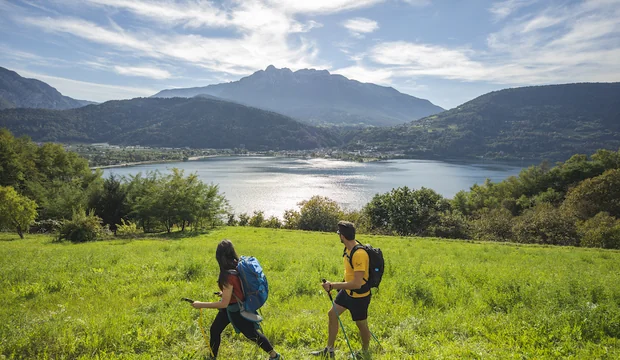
[110,202]
[16,211]
[319,214]
[602,231]
[545,224]
[405,211]
[591,196]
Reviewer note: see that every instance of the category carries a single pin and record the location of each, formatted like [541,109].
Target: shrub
[81,228]
[545,224]
[231,220]
[258,219]
[603,230]
[273,222]
[291,219]
[45,226]
[128,229]
[244,219]
[493,225]
[451,225]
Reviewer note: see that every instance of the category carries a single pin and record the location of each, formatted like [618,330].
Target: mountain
[178,122]
[540,122]
[19,92]
[317,97]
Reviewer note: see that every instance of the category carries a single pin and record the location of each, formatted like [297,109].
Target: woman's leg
[215,333]
[247,328]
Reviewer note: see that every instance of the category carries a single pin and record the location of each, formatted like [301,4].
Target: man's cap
[346,229]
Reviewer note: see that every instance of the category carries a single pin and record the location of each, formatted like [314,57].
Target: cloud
[503,9]
[418,2]
[87,90]
[365,74]
[358,26]
[147,72]
[575,43]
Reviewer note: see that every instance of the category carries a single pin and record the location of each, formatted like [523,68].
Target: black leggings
[245,326]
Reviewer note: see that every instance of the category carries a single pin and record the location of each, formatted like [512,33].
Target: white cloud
[364,74]
[418,2]
[503,9]
[87,90]
[358,26]
[148,72]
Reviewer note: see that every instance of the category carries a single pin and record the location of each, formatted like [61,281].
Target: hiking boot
[324,353]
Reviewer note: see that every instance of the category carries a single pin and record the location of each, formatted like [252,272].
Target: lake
[275,184]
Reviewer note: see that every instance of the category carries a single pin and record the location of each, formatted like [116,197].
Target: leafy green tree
[591,196]
[493,225]
[545,224]
[110,203]
[601,231]
[319,213]
[451,225]
[244,219]
[16,212]
[405,211]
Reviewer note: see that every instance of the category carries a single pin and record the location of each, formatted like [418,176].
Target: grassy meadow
[439,299]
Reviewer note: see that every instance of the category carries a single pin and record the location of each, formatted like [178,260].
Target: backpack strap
[357,246]
[236,273]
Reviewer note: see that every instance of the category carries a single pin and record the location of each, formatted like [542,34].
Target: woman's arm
[226,296]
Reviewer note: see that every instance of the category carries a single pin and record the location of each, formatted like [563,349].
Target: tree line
[45,188]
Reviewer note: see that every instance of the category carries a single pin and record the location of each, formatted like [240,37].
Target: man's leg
[364,333]
[333,324]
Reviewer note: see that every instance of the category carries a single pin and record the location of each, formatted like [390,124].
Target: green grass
[439,299]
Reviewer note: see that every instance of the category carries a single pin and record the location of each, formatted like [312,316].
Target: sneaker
[324,353]
[278,357]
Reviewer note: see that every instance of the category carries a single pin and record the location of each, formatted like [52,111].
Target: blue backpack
[253,282]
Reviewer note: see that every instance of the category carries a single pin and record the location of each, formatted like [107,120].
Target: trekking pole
[339,321]
[202,328]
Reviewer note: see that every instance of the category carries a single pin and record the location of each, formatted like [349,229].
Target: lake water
[274,184]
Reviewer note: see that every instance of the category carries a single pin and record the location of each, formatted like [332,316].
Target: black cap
[346,229]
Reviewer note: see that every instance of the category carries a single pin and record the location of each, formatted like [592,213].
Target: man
[349,296]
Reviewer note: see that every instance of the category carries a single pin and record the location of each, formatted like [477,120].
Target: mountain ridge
[317,97]
[20,92]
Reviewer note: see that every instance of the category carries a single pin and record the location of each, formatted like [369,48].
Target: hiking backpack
[376,266]
[253,283]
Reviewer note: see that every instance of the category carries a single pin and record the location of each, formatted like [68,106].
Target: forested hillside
[196,122]
[540,122]
[19,92]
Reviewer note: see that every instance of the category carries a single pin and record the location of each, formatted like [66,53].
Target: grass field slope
[439,299]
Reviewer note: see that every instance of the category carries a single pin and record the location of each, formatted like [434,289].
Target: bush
[603,230]
[82,227]
[451,225]
[244,219]
[128,229]
[291,219]
[273,222]
[231,220]
[493,225]
[545,224]
[258,219]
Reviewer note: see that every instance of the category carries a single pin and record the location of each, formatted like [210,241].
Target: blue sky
[447,51]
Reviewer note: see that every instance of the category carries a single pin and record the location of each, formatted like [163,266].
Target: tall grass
[439,299]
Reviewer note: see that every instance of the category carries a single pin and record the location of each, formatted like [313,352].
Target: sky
[446,51]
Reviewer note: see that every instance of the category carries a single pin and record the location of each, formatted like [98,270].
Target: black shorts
[357,306]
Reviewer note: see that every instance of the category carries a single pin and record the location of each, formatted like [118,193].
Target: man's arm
[355,284]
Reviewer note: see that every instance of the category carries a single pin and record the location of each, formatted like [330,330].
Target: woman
[230,286]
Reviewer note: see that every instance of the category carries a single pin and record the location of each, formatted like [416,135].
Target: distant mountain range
[552,122]
[317,97]
[179,122]
[19,92]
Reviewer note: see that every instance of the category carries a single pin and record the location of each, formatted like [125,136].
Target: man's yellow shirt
[360,262]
